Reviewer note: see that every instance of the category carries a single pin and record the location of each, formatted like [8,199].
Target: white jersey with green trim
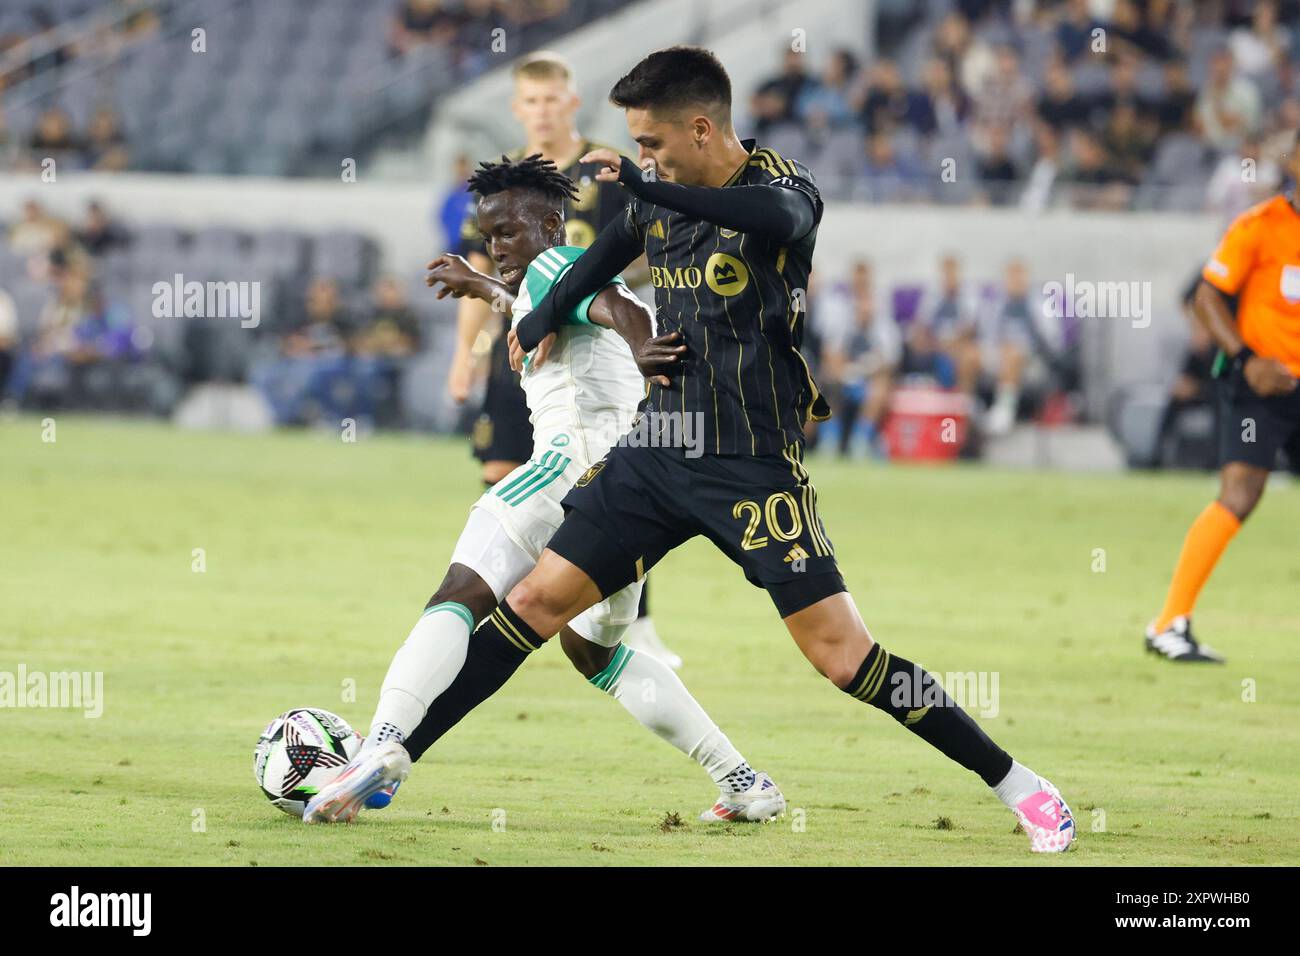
[583,397]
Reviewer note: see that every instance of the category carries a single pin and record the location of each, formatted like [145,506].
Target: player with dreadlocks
[583,385]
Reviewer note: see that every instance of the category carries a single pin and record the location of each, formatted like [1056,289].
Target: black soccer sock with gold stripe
[496,649]
[917,701]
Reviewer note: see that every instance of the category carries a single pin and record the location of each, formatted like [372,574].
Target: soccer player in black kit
[729,229]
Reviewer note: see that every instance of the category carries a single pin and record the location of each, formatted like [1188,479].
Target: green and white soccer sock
[423,667]
[656,697]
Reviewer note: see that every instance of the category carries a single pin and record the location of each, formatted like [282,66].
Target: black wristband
[1244,355]
[628,169]
[532,328]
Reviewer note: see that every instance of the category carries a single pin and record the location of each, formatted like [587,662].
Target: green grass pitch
[319,555]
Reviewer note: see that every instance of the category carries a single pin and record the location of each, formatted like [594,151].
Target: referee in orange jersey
[1258,262]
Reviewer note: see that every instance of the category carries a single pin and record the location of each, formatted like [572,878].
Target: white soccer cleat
[370,771]
[642,636]
[760,803]
[1047,819]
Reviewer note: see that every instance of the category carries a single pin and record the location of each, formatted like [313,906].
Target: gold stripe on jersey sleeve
[781,163]
[774,164]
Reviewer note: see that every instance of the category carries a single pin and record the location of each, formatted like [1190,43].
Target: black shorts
[1252,428]
[503,431]
[629,510]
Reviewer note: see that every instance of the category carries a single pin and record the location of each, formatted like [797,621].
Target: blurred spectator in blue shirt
[829,102]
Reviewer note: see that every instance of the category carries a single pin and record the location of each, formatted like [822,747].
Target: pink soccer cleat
[1047,819]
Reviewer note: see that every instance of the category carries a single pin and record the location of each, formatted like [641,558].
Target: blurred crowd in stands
[1087,103]
[94,85]
[91,318]
[993,347]
[1101,104]
[87,320]
[1117,104]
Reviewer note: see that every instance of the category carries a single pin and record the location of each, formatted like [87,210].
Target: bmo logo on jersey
[726,275]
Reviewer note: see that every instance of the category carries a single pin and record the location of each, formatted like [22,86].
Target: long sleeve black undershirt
[774,212]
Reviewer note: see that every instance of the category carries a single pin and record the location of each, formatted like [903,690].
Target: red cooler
[926,424]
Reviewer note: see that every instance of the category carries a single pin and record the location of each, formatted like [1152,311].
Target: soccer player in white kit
[583,387]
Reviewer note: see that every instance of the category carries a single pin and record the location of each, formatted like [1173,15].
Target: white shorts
[502,542]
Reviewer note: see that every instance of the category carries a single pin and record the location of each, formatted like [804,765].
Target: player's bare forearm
[1212,310]
[469,280]
[619,309]
[1265,375]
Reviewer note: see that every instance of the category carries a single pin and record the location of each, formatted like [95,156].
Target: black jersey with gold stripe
[595,207]
[739,301]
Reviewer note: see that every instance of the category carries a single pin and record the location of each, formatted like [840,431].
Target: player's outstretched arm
[460,279]
[782,213]
[615,246]
[618,308]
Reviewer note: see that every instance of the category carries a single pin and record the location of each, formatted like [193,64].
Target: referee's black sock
[496,649]
[917,701]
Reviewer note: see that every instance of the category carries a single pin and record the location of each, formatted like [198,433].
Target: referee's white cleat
[370,771]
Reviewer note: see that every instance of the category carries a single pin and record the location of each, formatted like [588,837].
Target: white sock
[1019,783]
[656,697]
[423,667]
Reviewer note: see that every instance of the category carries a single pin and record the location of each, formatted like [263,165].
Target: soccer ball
[299,752]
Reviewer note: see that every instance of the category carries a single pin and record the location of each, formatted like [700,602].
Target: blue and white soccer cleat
[381,798]
[370,771]
[762,802]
